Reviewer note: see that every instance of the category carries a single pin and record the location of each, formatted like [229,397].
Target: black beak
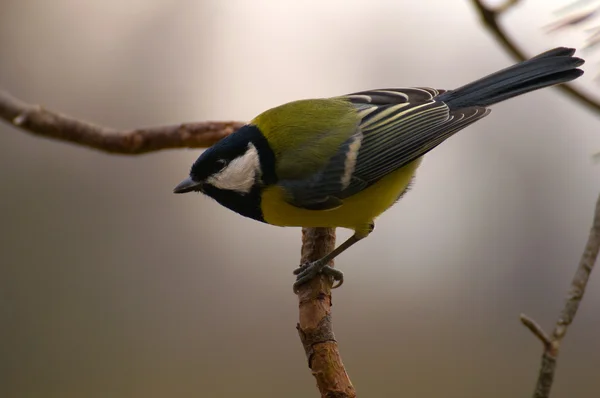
[187,185]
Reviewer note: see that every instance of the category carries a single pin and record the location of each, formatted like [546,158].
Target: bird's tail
[551,67]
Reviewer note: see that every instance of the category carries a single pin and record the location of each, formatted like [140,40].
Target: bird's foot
[308,271]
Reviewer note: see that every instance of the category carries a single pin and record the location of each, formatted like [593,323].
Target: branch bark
[314,325]
[41,122]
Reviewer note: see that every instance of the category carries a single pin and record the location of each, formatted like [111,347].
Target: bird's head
[233,171]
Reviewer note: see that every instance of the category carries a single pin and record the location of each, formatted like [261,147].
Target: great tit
[342,161]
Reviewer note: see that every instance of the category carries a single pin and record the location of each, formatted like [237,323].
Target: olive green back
[305,134]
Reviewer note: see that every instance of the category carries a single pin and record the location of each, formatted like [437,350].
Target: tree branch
[45,123]
[490,17]
[574,297]
[314,325]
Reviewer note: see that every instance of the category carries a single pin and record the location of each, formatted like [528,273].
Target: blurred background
[111,286]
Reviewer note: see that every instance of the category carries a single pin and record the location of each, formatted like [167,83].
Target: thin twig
[582,275]
[314,325]
[536,330]
[490,19]
[574,297]
[42,122]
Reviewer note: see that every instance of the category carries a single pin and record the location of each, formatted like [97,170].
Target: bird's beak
[187,185]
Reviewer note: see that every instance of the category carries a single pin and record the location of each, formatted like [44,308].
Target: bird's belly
[356,212]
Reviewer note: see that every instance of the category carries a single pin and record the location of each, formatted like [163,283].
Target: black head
[234,171]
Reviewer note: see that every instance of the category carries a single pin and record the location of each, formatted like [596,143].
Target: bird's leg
[308,271]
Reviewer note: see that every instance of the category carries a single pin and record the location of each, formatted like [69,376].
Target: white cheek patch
[240,174]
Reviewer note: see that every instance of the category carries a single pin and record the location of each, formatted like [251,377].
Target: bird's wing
[397,126]
[305,135]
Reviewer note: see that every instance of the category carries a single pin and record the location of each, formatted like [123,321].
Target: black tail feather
[556,52]
[549,68]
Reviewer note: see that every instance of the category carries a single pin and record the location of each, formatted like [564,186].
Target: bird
[342,161]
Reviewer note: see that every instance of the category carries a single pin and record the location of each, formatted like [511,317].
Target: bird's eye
[221,163]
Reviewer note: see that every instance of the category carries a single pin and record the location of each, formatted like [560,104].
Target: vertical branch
[315,327]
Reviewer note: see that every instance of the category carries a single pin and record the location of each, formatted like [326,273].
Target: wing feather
[397,127]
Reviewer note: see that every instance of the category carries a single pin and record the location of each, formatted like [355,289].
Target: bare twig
[490,19]
[42,122]
[574,297]
[314,325]
[536,330]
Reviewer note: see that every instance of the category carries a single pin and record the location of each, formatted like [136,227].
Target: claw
[338,276]
[308,271]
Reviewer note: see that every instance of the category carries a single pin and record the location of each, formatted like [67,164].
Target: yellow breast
[356,212]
